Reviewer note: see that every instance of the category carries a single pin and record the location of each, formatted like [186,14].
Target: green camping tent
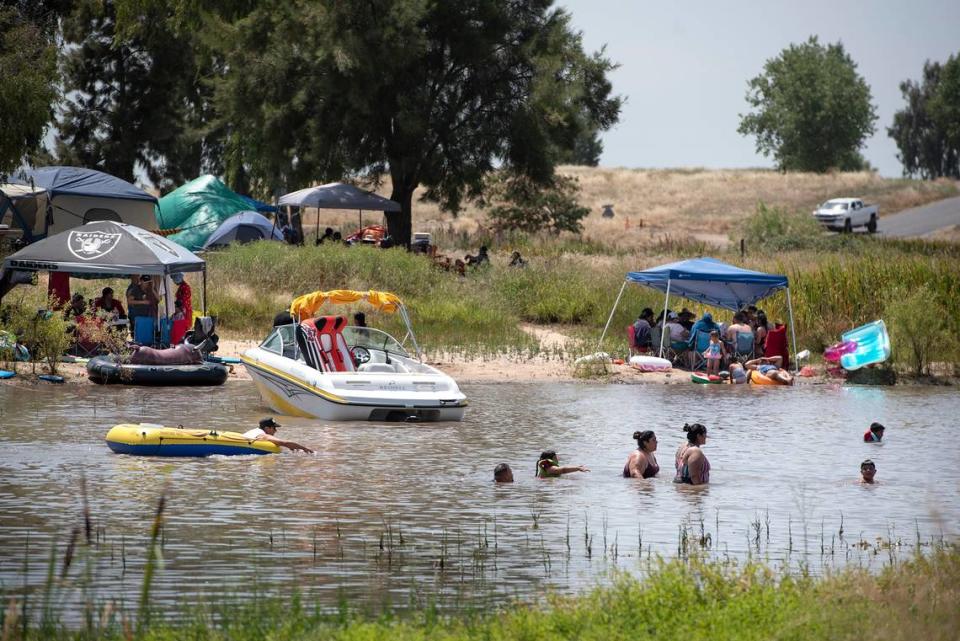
[197,209]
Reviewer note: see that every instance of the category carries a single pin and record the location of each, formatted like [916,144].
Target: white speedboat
[318,367]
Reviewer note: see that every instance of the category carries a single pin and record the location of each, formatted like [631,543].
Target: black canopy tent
[104,249]
[339,196]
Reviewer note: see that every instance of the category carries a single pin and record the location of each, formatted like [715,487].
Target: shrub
[918,327]
[774,229]
[518,203]
[42,331]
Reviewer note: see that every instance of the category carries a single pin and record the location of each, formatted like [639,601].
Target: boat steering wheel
[360,355]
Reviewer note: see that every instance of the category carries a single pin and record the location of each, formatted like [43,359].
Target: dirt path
[550,339]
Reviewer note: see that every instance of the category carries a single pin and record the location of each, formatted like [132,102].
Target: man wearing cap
[678,333]
[184,295]
[267,432]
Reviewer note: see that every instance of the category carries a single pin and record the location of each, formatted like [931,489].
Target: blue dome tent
[245,227]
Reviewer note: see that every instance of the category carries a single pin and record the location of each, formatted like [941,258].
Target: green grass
[683,600]
[837,282]
[834,288]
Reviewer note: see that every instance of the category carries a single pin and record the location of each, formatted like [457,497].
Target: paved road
[922,220]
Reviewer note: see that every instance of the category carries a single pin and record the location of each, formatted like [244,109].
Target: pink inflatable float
[650,364]
[834,352]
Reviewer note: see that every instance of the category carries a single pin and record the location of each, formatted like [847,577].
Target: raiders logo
[90,245]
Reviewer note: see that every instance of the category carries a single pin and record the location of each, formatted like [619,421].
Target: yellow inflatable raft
[147,439]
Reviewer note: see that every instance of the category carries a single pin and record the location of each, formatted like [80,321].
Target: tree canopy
[134,100]
[28,73]
[436,94]
[812,110]
[927,129]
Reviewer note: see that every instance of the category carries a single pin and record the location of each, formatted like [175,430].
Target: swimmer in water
[549,466]
[771,367]
[642,463]
[868,471]
[502,473]
[874,434]
[692,465]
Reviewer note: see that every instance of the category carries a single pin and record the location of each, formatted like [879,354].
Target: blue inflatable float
[872,345]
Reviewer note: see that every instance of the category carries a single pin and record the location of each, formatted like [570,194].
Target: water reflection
[394,512]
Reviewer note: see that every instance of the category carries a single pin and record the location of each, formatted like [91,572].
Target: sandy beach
[498,369]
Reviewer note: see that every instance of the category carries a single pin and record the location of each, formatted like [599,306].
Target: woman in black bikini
[693,468]
[642,464]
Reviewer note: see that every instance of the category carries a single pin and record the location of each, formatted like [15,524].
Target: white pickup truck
[843,214]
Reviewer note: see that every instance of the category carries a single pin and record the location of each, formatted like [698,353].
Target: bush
[42,331]
[773,228]
[918,328]
[519,203]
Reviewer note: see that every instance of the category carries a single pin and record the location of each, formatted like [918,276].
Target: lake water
[399,514]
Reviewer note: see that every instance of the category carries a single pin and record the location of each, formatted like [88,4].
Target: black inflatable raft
[104,369]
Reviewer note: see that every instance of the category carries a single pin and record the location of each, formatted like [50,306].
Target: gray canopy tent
[339,196]
[104,249]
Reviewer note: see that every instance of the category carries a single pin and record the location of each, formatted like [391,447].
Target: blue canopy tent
[79,181]
[78,196]
[709,281]
[259,205]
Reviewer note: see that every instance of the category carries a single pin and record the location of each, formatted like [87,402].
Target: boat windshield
[372,339]
[282,340]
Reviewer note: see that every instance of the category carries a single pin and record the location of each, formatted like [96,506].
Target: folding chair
[84,344]
[166,325]
[743,349]
[700,345]
[178,330]
[656,334]
[632,340]
[143,330]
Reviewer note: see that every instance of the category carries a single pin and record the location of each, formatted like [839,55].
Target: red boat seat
[323,345]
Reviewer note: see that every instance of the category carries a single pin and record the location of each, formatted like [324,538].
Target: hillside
[651,204]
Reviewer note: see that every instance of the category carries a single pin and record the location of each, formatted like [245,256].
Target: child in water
[549,466]
[874,434]
[713,353]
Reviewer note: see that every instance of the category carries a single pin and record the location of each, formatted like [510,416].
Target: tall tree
[587,149]
[28,74]
[927,129]
[813,111]
[137,99]
[432,93]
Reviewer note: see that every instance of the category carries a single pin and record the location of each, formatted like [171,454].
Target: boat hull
[289,387]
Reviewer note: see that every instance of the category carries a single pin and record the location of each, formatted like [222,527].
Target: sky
[684,68]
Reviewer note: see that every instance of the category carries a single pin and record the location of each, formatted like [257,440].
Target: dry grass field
[657,205]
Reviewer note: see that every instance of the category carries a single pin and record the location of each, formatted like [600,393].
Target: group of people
[142,300]
[481,259]
[745,335]
[691,466]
